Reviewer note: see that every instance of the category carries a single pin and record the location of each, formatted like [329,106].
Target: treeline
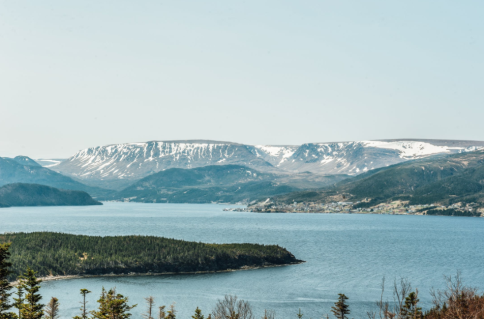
[58,254]
[23,301]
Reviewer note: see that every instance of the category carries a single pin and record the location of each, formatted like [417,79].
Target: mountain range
[200,171]
[119,165]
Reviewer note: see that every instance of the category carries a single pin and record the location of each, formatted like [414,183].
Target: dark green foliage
[198,314]
[23,171]
[20,194]
[19,301]
[5,287]
[341,308]
[31,308]
[65,254]
[410,309]
[112,306]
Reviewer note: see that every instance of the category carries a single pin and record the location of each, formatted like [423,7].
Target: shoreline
[132,274]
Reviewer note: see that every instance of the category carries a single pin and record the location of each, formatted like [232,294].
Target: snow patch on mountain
[412,149]
[275,155]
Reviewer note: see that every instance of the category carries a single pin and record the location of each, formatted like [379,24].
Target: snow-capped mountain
[136,160]
[132,161]
[358,157]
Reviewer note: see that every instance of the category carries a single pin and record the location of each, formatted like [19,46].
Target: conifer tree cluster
[52,254]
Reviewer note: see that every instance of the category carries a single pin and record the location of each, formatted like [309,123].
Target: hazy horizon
[83,74]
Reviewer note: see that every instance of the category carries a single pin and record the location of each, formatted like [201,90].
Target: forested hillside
[21,194]
[440,179]
[218,183]
[65,254]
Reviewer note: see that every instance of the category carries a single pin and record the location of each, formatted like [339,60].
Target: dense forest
[64,254]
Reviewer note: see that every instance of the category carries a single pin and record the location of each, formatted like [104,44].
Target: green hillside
[439,179]
[65,254]
[21,194]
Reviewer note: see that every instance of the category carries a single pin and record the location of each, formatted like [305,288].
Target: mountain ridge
[117,165]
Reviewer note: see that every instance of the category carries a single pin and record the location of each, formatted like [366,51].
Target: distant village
[392,208]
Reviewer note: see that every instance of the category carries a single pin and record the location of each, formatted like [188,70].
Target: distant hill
[444,179]
[20,194]
[24,160]
[22,169]
[216,183]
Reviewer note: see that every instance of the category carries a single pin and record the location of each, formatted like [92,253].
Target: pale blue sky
[75,74]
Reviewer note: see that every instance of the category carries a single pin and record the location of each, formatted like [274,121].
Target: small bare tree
[400,291]
[232,308]
[456,301]
[150,301]
[51,310]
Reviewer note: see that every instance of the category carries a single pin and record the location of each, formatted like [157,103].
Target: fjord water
[344,253]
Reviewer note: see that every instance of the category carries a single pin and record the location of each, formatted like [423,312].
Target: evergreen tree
[32,308]
[52,309]
[410,309]
[84,292]
[198,314]
[112,306]
[5,286]
[19,301]
[341,308]
[172,312]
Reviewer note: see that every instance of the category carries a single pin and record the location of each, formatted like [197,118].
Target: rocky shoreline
[133,274]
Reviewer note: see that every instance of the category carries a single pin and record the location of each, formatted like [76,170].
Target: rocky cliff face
[132,161]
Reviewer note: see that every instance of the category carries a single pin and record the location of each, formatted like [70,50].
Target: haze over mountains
[119,165]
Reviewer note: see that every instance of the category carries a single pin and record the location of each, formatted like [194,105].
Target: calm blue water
[344,253]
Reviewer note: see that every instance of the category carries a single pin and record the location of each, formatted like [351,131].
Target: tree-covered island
[59,254]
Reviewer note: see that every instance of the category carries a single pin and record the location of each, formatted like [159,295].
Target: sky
[78,74]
